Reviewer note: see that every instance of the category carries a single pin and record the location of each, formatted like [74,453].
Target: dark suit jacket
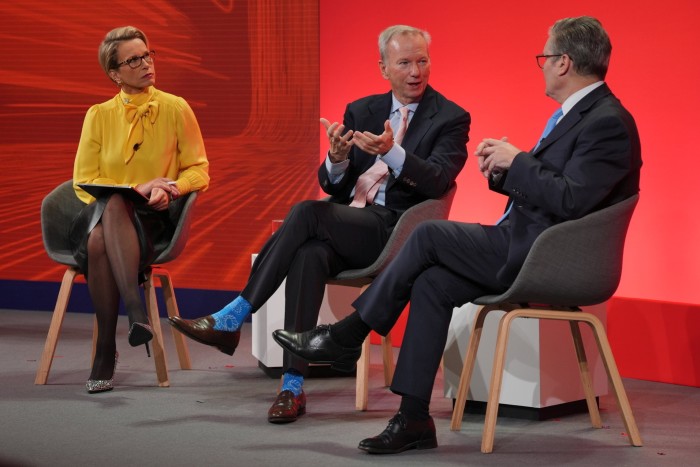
[590,160]
[435,144]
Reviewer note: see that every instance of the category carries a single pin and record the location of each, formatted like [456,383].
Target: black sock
[414,408]
[350,331]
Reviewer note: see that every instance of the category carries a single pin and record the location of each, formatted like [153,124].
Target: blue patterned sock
[231,317]
[292,381]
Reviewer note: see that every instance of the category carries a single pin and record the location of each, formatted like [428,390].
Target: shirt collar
[395,105]
[574,99]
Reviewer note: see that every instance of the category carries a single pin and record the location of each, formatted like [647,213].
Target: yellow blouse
[164,140]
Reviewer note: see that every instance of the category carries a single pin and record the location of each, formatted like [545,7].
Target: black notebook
[99,190]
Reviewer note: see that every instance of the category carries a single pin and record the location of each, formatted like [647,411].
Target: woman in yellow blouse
[149,140]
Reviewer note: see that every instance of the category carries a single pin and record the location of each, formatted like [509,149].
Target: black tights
[113,261]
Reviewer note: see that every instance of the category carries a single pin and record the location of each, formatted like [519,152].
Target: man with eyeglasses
[589,158]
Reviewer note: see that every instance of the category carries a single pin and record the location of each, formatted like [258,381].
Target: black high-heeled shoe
[140,333]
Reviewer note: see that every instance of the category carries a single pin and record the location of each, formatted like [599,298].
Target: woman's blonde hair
[107,53]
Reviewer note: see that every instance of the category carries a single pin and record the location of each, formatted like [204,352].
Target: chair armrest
[182,231]
[58,209]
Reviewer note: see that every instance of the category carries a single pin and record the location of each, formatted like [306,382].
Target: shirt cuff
[395,159]
[336,170]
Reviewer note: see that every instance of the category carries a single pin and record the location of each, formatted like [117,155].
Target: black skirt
[154,230]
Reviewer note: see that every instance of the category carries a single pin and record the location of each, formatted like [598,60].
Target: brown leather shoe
[202,330]
[287,407]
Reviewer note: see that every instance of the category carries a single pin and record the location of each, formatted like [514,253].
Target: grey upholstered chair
[428,209]
[572,264]
[58,210]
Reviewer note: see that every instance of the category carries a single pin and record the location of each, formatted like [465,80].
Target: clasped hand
[159,192]
[340,144]
[495,155]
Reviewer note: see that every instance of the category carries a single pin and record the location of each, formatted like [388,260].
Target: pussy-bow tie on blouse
[140,116]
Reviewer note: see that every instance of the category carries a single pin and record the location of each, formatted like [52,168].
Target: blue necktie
[551,123]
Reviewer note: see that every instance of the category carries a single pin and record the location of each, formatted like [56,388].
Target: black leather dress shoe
[400,435]
[287,407]
[202,330]
[318,346]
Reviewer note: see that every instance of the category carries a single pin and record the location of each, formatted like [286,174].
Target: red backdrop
[483,59]
[246,70]
[249,69]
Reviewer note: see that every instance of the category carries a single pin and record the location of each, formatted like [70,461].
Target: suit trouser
[443,265]
[316,241]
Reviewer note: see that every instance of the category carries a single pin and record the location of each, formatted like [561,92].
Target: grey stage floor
[216,415]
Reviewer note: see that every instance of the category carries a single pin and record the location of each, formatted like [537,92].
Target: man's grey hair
[585,41]
[399,30]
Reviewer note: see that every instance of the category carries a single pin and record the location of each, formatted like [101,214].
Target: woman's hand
[160,192]
[159,200]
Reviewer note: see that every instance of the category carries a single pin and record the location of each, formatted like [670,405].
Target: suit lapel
[373,118]
[378,112]
[420,124]
[421,121]
[574,116]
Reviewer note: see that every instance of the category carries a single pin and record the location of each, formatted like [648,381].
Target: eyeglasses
[135,62]
[541,59]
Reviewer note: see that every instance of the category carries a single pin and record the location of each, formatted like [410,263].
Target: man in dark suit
[401,148]
[590,160]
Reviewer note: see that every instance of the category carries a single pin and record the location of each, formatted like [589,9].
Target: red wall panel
[483,58]
[655,340]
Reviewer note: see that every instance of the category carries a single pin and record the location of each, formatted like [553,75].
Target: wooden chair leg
[157,341]
[362,373]
[59,312]
[388,359]
[468,368]
[585,373]
[615,380]
[499,360]
[168,289]
[362,378]
[607,357]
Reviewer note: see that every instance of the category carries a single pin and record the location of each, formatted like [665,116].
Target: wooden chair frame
[571,264]
[62,205]
[159,358]
[573,317]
